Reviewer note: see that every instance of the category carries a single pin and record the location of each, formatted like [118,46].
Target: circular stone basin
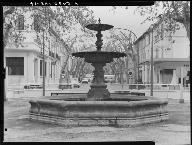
[99,56]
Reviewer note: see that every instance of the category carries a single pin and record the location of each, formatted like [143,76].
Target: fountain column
[98,89]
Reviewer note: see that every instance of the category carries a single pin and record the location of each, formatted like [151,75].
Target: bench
[33,86]
[65,86]
[137,93]
[59,94]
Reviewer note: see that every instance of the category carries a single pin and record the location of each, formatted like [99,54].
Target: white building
[25,61]
[171,55]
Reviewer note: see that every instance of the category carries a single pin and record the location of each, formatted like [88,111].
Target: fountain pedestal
[98,89]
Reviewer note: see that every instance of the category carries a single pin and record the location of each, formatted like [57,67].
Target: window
[144,42]
[41,67]
[157,34]
[51,72]
[45,68]
[20,22]
[162,31]
[147,39]
[15,65]
[36,23]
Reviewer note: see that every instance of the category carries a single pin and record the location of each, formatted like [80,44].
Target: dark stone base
[98,93]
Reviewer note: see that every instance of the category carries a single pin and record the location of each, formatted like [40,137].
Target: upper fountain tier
[99,27]
[99,56]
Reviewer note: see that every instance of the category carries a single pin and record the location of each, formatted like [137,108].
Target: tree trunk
[6,34]
[63,68]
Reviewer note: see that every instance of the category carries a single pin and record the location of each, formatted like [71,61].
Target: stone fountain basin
[99,113]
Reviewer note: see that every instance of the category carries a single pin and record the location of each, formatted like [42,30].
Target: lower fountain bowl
[99,56]
[99,113]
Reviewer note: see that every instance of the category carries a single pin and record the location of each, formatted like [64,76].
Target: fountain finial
[99,21]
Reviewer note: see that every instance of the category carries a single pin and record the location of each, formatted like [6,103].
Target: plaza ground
[19,128]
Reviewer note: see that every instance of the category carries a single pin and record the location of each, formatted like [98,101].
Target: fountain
[98,59]
[99,107]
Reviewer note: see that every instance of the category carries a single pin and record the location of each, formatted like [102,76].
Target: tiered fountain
[98,59]
[98,107]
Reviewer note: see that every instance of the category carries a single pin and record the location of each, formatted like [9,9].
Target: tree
[10,24]
[122,40]
[172,12]
[74,19]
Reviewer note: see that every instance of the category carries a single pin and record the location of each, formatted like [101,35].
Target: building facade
[171,55]
[24,61]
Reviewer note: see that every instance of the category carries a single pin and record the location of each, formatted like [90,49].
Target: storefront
[167,71]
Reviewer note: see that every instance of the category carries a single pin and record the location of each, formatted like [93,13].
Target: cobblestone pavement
[19,129]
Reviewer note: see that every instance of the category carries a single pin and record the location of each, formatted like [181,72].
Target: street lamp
[44,54]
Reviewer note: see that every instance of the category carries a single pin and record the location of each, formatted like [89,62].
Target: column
[174,79]
[154,75]
[181,100]
[144,74]
[159,76]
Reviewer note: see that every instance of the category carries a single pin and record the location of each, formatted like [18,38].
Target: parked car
[75,83]
[109,78]
[85,81]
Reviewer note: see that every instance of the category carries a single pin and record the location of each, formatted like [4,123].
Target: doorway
[166,75]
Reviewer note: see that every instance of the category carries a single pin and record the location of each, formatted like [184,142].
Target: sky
[121,18]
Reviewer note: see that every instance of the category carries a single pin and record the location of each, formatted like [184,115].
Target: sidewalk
[173,94]
[172,132]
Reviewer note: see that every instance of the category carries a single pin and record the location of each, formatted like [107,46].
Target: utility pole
[138,69]
[44,56]
[152,64]
[43,64]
